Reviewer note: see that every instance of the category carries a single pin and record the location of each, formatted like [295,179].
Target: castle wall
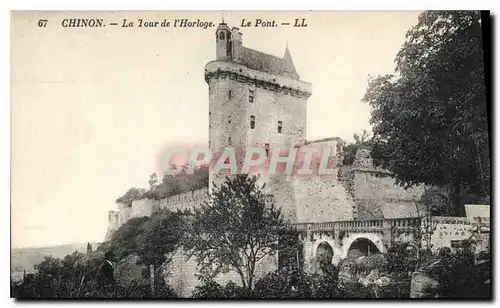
[144,207]
[378,196]
[124,213]
[321,200]
[113,224]
[182,274]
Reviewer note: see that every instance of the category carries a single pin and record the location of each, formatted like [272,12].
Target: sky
[92,109]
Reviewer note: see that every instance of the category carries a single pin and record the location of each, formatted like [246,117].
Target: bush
[75,277]
[209,289]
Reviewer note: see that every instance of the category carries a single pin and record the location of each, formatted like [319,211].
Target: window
[266,146]
[221,36]
[209,120]
[252,122]
[280,127]
[229,141]
[229,94]
[251,95]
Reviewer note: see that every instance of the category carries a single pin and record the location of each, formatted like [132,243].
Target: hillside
[26,258]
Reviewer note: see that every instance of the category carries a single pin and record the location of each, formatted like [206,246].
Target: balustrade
[377,225]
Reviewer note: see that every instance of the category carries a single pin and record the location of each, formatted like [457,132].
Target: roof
[268,63]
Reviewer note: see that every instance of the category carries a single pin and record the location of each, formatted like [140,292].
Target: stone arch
[363,241]
[324,251]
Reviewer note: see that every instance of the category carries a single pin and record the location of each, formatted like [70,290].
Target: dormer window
[222,36]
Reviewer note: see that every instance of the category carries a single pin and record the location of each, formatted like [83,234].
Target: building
[259,100]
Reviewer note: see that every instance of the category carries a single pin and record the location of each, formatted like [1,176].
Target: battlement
[146,207]
[184,200]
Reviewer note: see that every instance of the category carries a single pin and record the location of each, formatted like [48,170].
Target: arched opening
[221,36]
[324,253]
[362,247]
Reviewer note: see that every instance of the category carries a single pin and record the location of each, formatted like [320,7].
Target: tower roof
[268,63]
[288,62]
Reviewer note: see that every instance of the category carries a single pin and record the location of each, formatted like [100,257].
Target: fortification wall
[375,192]
[113,224]
[378,196]
[181,273]
[144,207]
[184,201]
[321,200]
[124,213]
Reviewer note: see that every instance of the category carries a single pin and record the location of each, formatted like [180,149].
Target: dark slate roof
[268,63]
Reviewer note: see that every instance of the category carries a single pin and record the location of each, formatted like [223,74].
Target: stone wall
[144,207]
[449,229]
[375,192]
[378,196]
[184,201]
[321,200]
[113,224]
[125,211]
[181,274]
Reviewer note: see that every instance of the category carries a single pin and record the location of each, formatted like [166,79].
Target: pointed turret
[288,63]
[223,39]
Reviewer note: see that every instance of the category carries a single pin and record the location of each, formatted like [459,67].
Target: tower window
[229,141]
[251,95]
[266,146]
[280,127]
[221,36]
[252,122]
[229,94]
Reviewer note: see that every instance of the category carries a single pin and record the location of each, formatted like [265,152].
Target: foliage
[149,237]
[209,289]
[430,121]
[160,235]
[236,227]
[183,181]
[75,277]
[123,242]
[400,262]
[458,276]
[171,184]
[285,283]
[131,195]
[349,150]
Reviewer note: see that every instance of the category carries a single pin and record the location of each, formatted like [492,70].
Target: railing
[410,223]
[451,220]
[376,225]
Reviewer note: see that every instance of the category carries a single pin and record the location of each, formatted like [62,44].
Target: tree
[131,195]
[351,149]
[160,235]
[430,118]
[182,181]
[153,181]
[236,227]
